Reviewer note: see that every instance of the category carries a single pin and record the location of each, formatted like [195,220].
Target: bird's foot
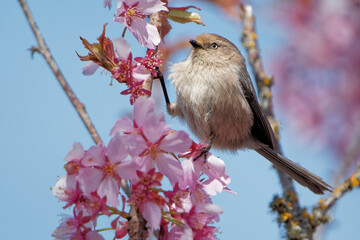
[204,152]
[205,148]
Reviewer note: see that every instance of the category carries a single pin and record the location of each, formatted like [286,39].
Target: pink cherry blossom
[128,169]
[120,228]
[123,71]
[199,195]
[179,233]
[93,235]
[135,84]
[132,14]
[176,197]
[197,223]
[67,190]
[123,60]
[90,68]
[146,199]
[118,62]
[152,214]
[92,204]
[73,159]
[151,61]
[75,153]
[101,171]
[74,227]
[135,90]
[121,66]
[213,168]
[142,108]
[151,139]
[200,217]
[156,146]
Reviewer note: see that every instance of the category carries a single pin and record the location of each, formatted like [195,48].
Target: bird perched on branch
[216,97]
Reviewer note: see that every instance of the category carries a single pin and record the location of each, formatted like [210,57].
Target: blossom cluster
[142,151]
[133,14]
[120,64]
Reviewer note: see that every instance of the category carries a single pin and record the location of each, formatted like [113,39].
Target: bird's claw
[204,152]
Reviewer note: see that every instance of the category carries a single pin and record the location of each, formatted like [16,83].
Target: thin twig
[349,184]
[347,163]
[350,156]
[264,83]
[45,52]
[157,19]
[136,225]
[162,81]
[319,214]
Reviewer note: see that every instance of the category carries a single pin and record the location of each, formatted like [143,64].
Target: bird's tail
[295,171]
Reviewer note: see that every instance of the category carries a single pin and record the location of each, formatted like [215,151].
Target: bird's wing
[261,129]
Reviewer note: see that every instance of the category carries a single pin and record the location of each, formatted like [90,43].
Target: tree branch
[80,108]
[45,52]
[136,225]
[263,81]
[348,161]
[350,156]
[319,215]
[288,206]
[349,184]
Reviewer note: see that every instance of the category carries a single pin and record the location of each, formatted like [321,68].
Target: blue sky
[38,124]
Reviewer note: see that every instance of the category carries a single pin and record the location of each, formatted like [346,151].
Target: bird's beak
[195,44]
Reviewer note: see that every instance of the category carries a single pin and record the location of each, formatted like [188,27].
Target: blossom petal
[170,167]
[146,34]
[152,6]
[208,208]
[213,186]
[110,189]
[65,183]
[127,170]
[93,235]
[184,233]
[215,169]
[177,142]
[128,2]
[152,214]
[116,149]
[76,152]
[89,179]
[190,176]
[124,124]
[90,68]
[136,144]
[142,107]
[154,127]
[140,73]
[95,156]
[146,163]
[123,47]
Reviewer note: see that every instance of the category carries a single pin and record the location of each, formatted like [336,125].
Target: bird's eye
[214,46]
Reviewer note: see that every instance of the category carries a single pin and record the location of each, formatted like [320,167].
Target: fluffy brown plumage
[216,98]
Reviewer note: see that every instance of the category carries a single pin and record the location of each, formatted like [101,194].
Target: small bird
[217,99]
